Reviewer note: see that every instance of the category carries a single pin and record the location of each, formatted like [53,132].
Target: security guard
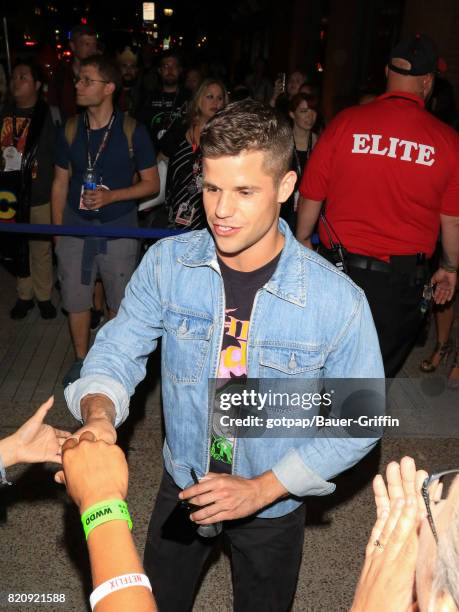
[389,172]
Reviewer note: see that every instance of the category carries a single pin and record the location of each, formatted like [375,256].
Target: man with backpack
[105,161]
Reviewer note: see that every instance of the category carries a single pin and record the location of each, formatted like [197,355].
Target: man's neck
[99,116]
[26,104]
[170,88]
[256,256]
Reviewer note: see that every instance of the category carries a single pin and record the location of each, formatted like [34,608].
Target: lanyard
[103,144]
[17,137]
[308,154]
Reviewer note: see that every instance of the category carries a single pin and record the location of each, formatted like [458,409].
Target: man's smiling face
[242,203]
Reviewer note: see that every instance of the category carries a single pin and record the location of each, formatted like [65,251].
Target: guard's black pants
[265,556]
[395,299]
[395,306]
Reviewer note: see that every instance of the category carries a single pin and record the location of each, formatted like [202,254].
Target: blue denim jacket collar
[289,279]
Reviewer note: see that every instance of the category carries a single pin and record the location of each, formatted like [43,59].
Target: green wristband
[102,512]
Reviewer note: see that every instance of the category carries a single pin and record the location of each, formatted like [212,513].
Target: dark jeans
[265,555]
[394,298]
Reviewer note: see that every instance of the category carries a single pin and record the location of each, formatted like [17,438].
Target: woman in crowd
[444,319]
[303,113]
[181,146]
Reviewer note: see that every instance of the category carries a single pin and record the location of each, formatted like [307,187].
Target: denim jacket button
[292,364]
[182,330]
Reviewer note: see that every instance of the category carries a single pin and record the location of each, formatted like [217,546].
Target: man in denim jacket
[244,300]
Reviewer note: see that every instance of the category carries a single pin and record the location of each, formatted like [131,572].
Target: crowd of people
[247,296]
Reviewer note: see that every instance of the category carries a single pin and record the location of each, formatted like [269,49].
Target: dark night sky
[192,19]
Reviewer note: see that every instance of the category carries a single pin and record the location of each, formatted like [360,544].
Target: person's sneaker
[21,308]
[47,310]
[97,318]
[74,372]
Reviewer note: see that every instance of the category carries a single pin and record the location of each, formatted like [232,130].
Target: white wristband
[116,584]
[4,480]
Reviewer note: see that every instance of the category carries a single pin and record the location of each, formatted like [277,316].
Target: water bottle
[89,180]
[90,183]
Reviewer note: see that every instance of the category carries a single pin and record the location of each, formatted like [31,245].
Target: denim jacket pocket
[280,362]
[185,344]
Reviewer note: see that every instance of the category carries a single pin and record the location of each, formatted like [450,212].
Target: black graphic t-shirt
[240,291]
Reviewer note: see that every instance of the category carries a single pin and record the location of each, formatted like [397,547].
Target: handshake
[93,469]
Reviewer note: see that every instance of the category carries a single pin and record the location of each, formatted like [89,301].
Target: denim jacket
[309,320]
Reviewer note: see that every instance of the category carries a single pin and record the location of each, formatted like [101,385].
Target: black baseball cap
[419,51]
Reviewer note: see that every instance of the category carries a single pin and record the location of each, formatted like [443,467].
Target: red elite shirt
[387,170]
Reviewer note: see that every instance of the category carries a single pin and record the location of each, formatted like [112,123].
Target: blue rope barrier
[91,230]
[96,230]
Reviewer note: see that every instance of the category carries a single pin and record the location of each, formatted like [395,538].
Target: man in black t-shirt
[241,300]
[169,103]
[27,151]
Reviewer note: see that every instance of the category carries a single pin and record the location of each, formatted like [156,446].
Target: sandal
[441,353]
[453,377]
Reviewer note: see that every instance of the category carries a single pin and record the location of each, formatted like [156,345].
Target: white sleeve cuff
[104,385]
[298,479]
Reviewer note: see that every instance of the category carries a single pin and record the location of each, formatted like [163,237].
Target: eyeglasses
[435,488]
[87,81]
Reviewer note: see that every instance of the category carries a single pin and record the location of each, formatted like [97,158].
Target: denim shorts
[114,268]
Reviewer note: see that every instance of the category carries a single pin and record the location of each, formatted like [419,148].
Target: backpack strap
[70,130]
[129,125]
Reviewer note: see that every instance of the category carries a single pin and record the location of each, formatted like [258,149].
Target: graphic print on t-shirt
[240,291]
[233,364]
[233,358]
[7,137]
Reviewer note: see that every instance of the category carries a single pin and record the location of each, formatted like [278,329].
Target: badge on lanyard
[12,159]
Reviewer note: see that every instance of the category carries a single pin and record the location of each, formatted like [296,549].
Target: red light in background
[58,46]
[67,53]
[84,21]
[30,43]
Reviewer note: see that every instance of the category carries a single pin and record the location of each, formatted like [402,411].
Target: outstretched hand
[388,576]
[35,442]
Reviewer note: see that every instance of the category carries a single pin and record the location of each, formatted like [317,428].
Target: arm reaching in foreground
[34,442]
[94,472]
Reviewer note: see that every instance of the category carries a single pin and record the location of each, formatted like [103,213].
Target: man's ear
[427,84]
[111,88]
[286,186]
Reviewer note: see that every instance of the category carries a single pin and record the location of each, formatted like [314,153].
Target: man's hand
[97,198]
[445,285]
[35,442]
[231,497]
[100,427]
[94,470]
[98,414]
